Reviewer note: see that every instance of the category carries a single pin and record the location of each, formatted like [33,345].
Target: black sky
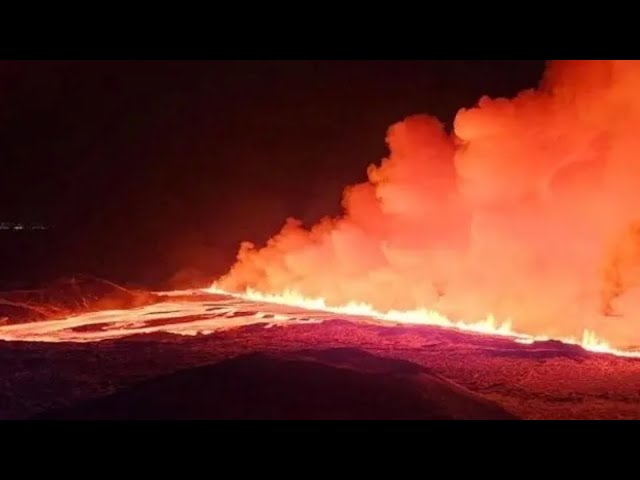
[145,167]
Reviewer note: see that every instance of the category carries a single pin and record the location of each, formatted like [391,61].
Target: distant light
[21,226]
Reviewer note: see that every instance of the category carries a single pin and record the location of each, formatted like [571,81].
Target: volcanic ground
[88,349]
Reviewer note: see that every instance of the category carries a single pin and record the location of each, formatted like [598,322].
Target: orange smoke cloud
[529,210]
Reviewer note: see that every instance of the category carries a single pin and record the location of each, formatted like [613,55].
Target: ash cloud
[529,210]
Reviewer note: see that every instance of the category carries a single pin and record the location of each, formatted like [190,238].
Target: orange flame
[423,316]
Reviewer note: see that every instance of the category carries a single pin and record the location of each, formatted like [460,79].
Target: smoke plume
[529,210]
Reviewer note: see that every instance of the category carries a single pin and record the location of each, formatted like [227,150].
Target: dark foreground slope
[324,384]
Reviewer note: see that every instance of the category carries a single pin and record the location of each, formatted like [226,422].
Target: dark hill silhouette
[308,384]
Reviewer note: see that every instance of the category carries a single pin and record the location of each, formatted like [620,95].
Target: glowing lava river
[202,312]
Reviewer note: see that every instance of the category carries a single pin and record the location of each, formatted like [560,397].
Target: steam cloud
[529,210]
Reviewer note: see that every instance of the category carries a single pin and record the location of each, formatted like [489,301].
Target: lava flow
[186,313]
[190,314]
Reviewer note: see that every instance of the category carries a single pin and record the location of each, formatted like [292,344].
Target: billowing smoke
[529,210]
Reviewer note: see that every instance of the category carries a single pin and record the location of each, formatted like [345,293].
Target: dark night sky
[145,168]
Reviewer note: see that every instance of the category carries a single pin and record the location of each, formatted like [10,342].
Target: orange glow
[529,210]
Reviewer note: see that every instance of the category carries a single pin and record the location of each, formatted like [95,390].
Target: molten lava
[589,341]
[187,313]
[528,212]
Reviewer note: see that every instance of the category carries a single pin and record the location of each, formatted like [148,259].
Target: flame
[423,316]
[192,316]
